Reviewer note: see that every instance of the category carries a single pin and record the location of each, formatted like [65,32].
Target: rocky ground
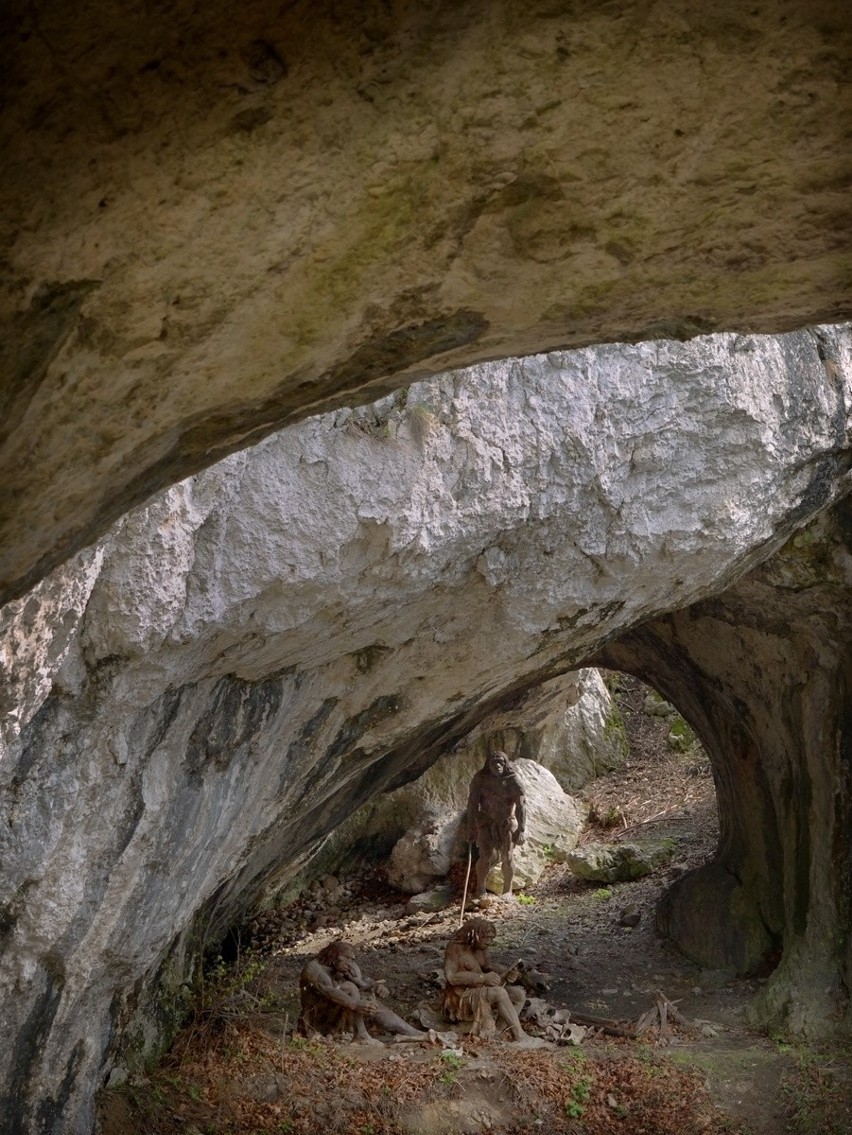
[239,1068]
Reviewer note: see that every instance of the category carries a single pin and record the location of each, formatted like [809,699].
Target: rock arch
[315,620]
[218,221]
[763,673]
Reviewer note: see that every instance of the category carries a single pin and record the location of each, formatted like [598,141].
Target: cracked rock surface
[216,221]
[242,663]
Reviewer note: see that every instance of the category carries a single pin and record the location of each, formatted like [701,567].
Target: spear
[466,880]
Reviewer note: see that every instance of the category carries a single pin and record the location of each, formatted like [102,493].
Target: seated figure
[331,987]
[475,991]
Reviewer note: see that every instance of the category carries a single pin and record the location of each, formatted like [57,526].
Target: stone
[242,663]
[655,706]
[429,902]
[618,862]
[386,251]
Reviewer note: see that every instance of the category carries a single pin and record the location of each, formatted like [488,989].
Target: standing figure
[495,817]
[475,991]
[330,988]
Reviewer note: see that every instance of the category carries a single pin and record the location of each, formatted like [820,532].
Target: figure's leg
[483,863]
[499,998]
[506,864]
[351,1020]
[517,995]
[484,1024]
[389,1022]
[361,1030]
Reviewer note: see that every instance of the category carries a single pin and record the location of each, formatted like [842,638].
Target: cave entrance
[664,789]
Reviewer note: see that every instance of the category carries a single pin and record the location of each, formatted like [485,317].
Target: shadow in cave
[597,940]
[593,946]
[663,797]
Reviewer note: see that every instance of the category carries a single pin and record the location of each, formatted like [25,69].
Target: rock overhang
[314,620]
[220,221]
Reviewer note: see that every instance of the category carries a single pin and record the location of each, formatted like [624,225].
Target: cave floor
[238,1068]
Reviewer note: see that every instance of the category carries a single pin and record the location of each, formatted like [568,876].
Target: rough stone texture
[426,852]
[618,862]
[217,218]
[570,725]
[763,674]
[324,615]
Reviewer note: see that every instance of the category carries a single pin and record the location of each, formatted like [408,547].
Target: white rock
[326,612]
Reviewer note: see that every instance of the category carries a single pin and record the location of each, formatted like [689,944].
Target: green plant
[580,1092]
[817,1096]
[526,900]
[602,894]
[452,1062]
[582,1089]
[613,817]
[680,738]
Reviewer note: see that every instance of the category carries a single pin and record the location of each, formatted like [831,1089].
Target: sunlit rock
[252,656]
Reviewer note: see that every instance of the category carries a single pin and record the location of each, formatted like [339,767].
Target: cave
[226,234]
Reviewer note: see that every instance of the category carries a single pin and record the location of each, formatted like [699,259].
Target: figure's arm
[351,971]
[510,976]
[506,976]
[319,978]
[519,833]
[458,968]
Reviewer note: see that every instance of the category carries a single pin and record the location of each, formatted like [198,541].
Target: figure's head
[497,763]
[477,933]
[336,953]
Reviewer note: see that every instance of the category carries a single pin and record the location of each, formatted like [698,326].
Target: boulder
[619,862]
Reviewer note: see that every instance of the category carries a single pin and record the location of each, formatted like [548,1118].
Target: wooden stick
[673,1012]
[645,1021]
[663,1010]
[466,881]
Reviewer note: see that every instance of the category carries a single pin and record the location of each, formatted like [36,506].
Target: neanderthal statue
[495,818]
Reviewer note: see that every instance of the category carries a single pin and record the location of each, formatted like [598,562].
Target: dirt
[238,1067]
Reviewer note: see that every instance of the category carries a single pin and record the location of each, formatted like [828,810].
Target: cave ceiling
[216,219]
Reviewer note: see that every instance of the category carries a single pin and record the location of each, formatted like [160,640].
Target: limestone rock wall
[218,218]
[763,674]
[250,657]
[571,725]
